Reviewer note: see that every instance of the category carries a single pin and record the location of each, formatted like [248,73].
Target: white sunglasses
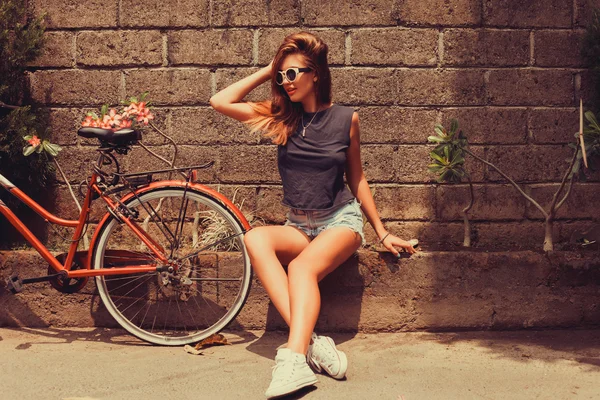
[290,74]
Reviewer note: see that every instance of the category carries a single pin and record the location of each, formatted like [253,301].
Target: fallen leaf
[213,340]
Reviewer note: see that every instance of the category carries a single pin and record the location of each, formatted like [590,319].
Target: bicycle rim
[213,274]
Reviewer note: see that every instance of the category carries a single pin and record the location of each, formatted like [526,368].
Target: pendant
[303,131]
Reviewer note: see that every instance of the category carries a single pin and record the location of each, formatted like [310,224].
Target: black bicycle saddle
[122,136]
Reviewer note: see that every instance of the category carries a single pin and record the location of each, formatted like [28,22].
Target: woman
[317,142]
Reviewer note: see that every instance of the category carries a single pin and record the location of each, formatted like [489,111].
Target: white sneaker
[323,355]
[290,373]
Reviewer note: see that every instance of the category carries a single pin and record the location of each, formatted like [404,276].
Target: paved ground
[109,364]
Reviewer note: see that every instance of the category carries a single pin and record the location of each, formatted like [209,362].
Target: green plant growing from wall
[451,147]
[448,163]
[21,41]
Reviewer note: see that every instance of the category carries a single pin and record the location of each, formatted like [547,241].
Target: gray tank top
[312,167]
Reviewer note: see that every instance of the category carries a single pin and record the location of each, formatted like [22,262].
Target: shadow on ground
[580,346]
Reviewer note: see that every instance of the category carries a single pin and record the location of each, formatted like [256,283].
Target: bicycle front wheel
[211,279]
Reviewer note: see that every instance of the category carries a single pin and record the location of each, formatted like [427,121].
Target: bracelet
[383,238]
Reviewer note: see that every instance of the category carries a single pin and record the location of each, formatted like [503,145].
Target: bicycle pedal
[14,284]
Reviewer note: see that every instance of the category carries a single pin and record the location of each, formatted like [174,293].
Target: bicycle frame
[79,226]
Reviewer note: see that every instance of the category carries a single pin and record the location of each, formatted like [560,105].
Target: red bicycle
[168,256]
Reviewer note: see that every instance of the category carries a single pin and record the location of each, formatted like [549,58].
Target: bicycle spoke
[125,296]
[217,279]
[140,310]
[179,308]
[134,279]
[179,230]
[168,308]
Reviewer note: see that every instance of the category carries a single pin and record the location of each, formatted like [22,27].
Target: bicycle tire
[134,300]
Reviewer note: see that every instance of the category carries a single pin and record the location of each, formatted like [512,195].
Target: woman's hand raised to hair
[267,70]
[391,242]
[229,101]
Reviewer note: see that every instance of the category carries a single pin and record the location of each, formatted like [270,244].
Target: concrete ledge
[466,290]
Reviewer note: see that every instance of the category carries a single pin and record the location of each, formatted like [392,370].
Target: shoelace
[280,366]
[326,349]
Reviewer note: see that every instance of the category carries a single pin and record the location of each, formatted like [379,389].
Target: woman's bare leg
[269,247]
[324,254]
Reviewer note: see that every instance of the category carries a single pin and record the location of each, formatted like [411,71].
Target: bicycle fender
[165,184]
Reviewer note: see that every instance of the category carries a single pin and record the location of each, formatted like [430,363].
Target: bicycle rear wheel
[209,285]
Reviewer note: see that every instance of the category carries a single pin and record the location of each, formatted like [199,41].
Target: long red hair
[279,117]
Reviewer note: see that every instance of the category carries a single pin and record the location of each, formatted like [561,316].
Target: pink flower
[34,141]
[125,123]
[132,109]
[112,119]
[89,121]
[145,116]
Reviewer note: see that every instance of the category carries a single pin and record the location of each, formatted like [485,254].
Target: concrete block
[405,202]
[63,124]
[371,86]
[171,85]
[444,87]
[77,14]
[528,163]
[116,48]
[204,126]
[554,125]
[524,87]
[57,51]
[403,47]
[395,164]
[431,12]
[255,12]
[486,47]
[395,125]
[492,202]
[75,87]
[573,208]
[339,12]
[489,125]
[558,48]
[165,13]
[210,47]
[528,14]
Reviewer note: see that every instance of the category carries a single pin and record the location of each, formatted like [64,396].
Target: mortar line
[123,88]
[213,82]
[74,49]
[119,9]
[530,136]
[440,48]
[165,50]
[255,42]
[577,88]
[532,48]
[348,48]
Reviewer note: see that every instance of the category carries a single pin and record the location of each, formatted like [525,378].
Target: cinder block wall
[509,70]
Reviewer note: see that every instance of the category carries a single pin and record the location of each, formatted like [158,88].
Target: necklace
[306,126]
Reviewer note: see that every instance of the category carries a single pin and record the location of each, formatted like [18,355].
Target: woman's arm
[228,100]
[360,188]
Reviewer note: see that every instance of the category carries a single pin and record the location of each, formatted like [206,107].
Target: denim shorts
[314,222]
